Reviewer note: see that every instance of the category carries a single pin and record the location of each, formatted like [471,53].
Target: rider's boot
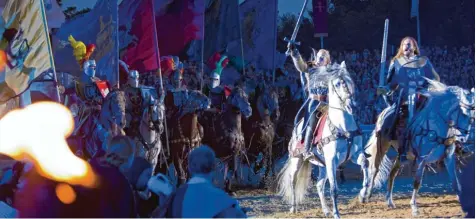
[309,137]
[402,149]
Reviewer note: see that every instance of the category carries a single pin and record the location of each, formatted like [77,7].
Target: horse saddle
[317,135]
[319,129]
[397,117]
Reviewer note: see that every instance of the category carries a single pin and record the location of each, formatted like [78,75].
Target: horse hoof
[362,199]
[327,214]
[391,205]
[415,213]
[292,210]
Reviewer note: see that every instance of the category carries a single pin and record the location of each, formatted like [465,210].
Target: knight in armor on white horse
[316,98]
[144,116]
[406,84]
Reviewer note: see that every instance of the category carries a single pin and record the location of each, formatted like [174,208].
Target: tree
[72,12]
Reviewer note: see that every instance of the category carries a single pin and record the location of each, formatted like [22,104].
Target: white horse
[446,118]
[341,140]
[151,128]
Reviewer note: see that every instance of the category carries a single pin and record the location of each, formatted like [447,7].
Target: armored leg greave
[310,131]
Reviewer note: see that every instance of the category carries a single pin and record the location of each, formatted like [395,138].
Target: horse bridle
[346,89]
[152,127]
[452,126]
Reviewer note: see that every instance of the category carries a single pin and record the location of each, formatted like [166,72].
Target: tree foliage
[357,24]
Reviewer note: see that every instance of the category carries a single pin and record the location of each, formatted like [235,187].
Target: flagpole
[322,42]
[275,39]
[52,63]
[241,39]
[418,28]
[117,48]
[203,48]
[156,45]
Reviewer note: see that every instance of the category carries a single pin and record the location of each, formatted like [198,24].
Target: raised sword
[296,30]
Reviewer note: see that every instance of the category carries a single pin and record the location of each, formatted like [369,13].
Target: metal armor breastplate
[409,75]
[317,82]
[135,98]
[180,96]
[89,92]
[217,97]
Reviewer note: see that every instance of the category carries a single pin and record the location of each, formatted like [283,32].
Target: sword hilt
[290,42]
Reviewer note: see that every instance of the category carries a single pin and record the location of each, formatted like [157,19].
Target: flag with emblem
[25,52]
[96,28]
[259,17]
[319,18]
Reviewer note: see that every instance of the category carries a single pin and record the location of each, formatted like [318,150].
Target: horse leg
[331,169]
[416,185]
[391,181]
[450,165]
[179,164]
[359,159]
[294,179]
[321,184]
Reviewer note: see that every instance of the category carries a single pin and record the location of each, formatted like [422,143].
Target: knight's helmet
[217,63]
[89,68]
[173,69]
[133,76]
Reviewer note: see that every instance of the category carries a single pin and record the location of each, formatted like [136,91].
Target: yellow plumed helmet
[79,49]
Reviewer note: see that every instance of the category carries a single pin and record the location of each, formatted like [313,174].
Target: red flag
[319,9]
[136,35]
[178,23]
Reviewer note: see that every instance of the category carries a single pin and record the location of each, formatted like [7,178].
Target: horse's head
[239,99]
[268,100]
[459,99]
[341,88]
[154,114]
[193,101]
[113,111]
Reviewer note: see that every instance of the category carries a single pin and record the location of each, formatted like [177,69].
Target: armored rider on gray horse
[142,101]
[405,83]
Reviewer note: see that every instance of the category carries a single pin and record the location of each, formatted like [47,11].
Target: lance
[383,58]
[296,30]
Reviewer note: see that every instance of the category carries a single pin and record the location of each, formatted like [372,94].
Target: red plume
[227,91]
[167,65]
[89,51]
[212,61]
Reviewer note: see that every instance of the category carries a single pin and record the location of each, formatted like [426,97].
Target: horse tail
[383,173]
[294,177]
[378,160]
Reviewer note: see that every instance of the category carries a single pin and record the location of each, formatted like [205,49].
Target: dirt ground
[264,204]
[436,200]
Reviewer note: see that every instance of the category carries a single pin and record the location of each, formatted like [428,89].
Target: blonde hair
[400,50]
[325,53]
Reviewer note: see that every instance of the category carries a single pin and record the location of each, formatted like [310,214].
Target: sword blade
[383,58]
[298,23]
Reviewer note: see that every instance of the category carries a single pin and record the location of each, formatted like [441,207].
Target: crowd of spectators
[454,65]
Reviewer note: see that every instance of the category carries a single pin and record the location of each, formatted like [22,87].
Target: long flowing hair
[400,50]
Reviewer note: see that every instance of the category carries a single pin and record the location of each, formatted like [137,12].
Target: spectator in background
[199,198]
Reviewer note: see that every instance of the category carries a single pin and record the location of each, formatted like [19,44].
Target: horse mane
[334,71]
[438,95]
[116,97]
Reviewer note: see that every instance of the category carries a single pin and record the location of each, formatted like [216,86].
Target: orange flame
[3,60]
[37,133]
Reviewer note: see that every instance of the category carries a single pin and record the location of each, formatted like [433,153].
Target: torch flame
[38,133]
